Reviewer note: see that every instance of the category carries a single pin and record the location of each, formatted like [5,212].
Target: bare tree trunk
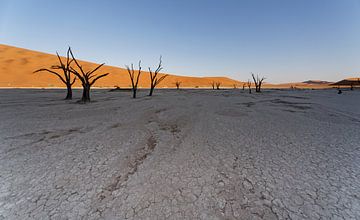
[154,80]
[249,86]
[86,93]
[177,83]
[134,78]
[151,90]
[258,82]
[69,92]
[66,68]
[218,85]
[87,78]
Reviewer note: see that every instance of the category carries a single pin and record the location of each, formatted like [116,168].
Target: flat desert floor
[187,154]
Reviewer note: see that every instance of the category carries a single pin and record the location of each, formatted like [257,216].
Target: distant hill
[353,79]
[317,82]
[347,82]
[17,66]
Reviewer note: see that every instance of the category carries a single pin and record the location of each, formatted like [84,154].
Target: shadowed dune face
[17,66]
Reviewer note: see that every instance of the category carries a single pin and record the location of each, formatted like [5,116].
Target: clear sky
[284,40]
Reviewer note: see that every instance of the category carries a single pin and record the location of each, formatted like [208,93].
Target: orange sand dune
[17,66]
[297,85]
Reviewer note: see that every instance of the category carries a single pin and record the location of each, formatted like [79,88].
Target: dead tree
[213,84]
[249,86]
[177,84]
[154,79]
[134,78]
[218,85]
[258,82]
[87,78]
[66,78]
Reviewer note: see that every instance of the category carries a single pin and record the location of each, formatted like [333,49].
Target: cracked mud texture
[188,154]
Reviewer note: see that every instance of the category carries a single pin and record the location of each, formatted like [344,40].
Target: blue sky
[284,40]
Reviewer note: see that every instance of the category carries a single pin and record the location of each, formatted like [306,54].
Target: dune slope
[17,66]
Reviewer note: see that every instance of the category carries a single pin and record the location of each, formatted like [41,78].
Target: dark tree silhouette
[249,86]
[218,85]
[177,84]
[87,78]
[213,84]
[134,78]
[66,78]
[154,79]
[258,82]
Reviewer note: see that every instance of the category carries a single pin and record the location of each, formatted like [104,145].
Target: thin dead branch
[87,78]
[134,77]
[66,72]
[258,82]
[154,79]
